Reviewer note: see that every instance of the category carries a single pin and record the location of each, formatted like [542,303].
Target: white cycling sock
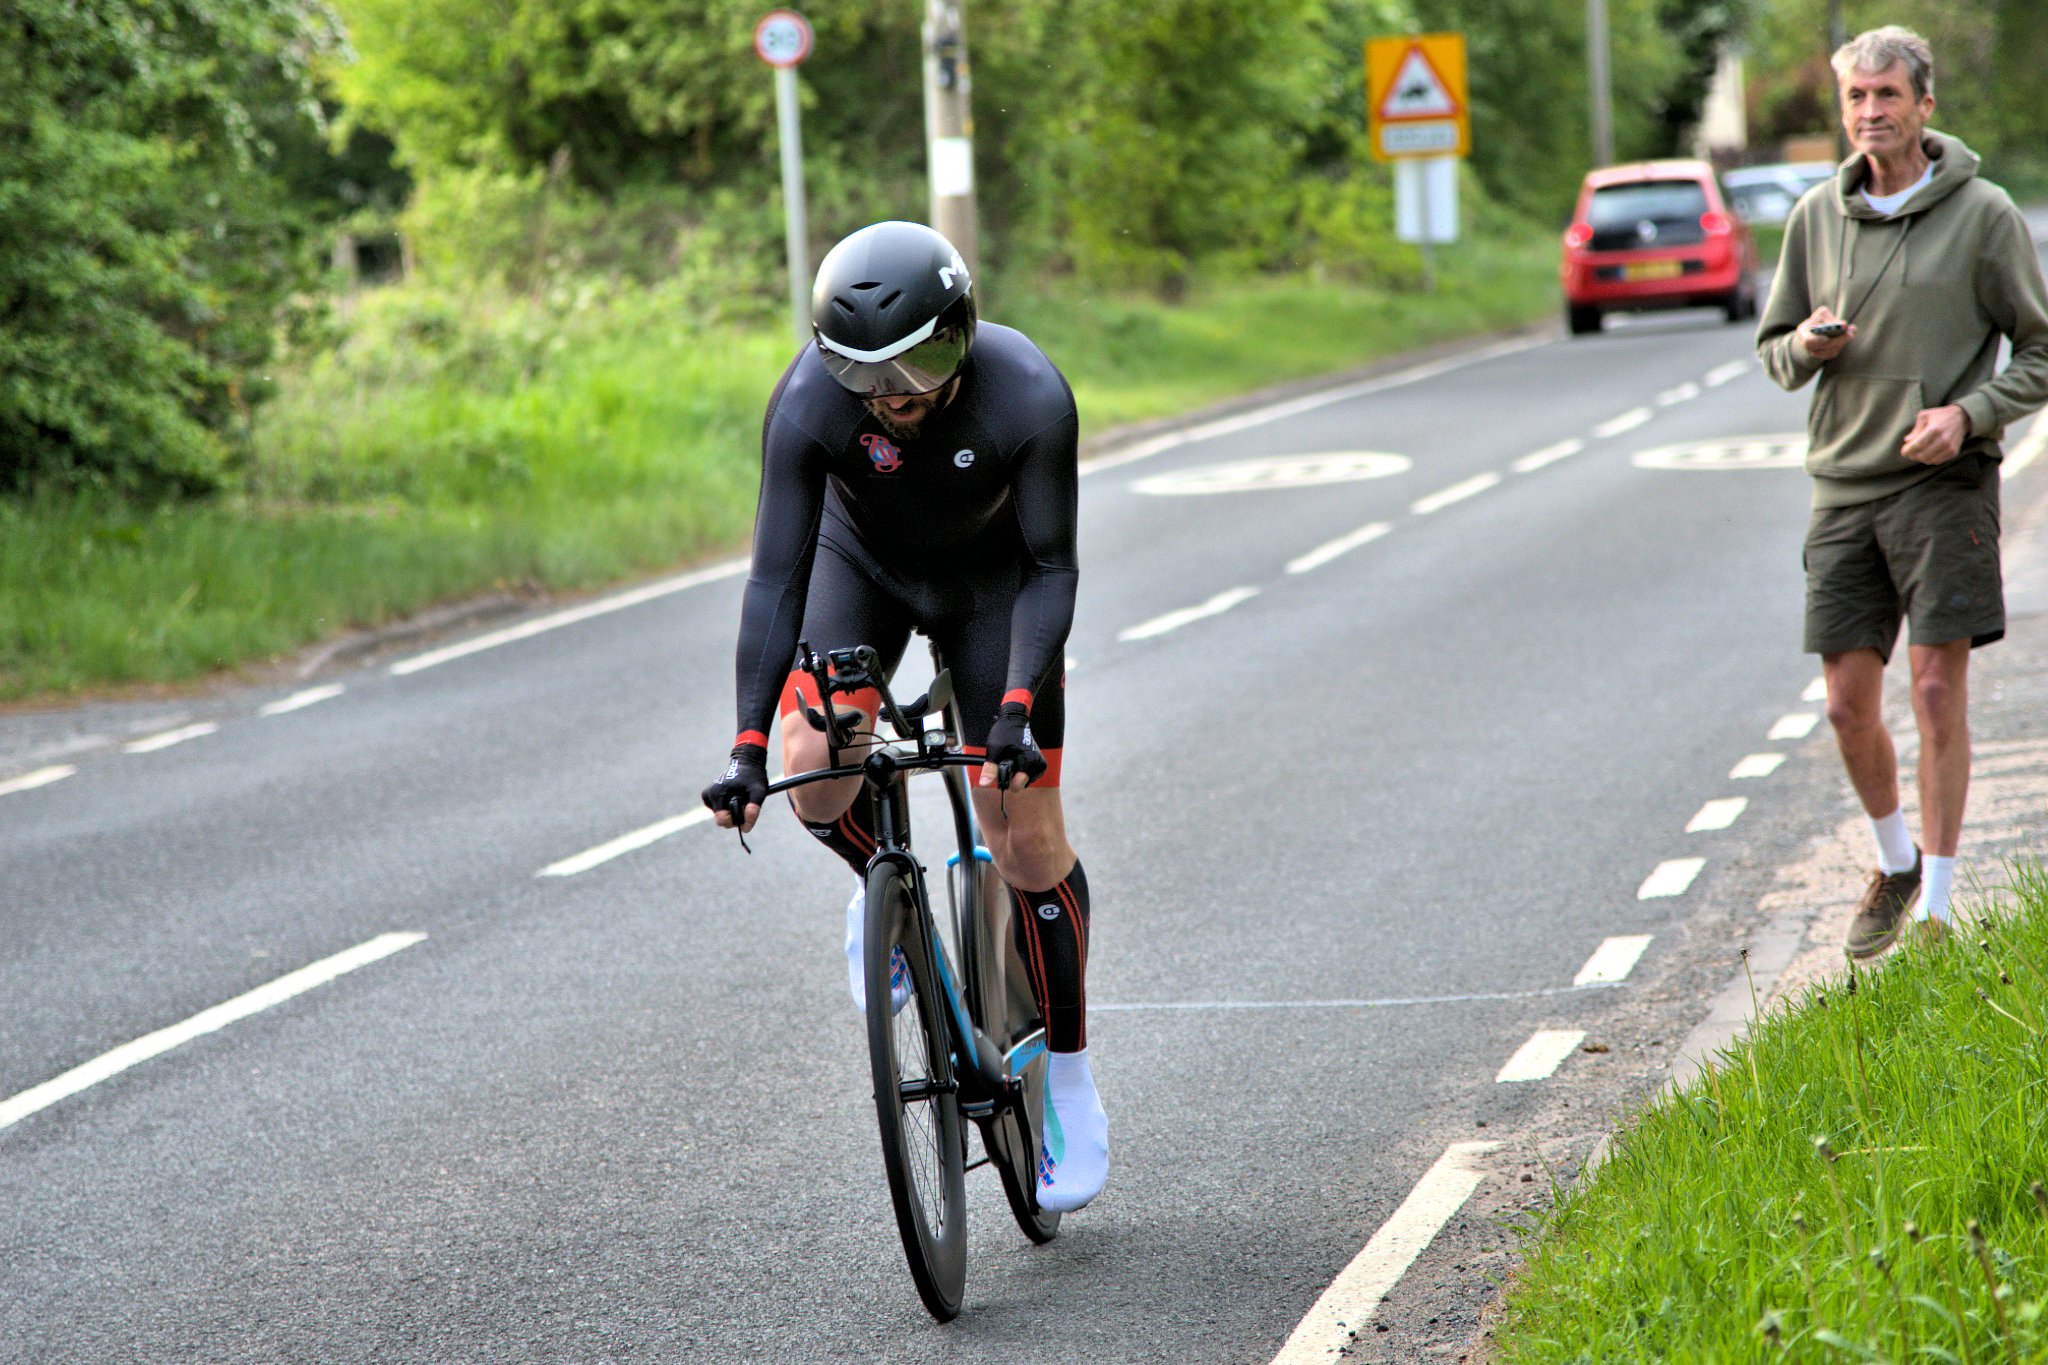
[1073,1161]
[1937,879]
[1895,850]
[856,957]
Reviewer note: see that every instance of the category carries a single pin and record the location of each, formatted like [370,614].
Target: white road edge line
[1795,725]
[625,843]
[1541,1056]
[1627,421]
[2027,450]
[1274,412]
[1672,877]
[1613,960]
[1721,374]
[1457,492]
[1550,454]
[298,701]
[1174,620]
[41,777]
[1756,765]
[1336,1319]
[206,1021]
[151,743]
[1717,814]
[1382,1003]
[1342,545]
[604,606]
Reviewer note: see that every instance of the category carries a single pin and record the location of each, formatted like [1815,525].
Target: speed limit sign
[782,38]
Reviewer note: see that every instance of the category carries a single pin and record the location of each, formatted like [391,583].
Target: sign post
[783,39]
[1418,117]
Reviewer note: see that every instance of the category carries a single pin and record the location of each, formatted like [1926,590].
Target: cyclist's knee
[1034,856]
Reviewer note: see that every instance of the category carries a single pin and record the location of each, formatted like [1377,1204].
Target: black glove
[744,783]
[1011,747]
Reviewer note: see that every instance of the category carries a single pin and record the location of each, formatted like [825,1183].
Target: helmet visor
[920,369]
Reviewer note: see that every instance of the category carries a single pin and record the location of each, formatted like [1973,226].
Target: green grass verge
[1859,1181]
[455,447]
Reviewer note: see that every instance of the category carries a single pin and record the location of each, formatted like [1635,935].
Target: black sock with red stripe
[1051,928]
[852,835]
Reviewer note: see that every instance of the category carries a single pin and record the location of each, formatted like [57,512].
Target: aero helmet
[893,310]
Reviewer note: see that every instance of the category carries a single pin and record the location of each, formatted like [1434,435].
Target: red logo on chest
[886,458]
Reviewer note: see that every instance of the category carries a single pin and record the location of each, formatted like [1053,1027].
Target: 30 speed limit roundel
[1729,452]
[782,38]
[1285,471]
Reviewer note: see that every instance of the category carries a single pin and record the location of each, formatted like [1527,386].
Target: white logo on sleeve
[963,458]
[1048,911]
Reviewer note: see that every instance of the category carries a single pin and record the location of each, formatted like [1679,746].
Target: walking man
[1897,281]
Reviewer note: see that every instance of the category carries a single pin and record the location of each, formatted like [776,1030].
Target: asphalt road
[1352,835]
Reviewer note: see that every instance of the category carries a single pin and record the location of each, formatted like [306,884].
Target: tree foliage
[144,242]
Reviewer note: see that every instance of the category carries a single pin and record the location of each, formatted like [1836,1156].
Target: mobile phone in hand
[1828,329]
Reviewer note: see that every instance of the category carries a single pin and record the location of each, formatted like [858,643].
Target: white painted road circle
[1281,471]
[1727,452]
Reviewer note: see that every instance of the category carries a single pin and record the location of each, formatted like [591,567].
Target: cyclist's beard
[906,425]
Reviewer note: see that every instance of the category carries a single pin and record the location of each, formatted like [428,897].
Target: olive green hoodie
[1931,289]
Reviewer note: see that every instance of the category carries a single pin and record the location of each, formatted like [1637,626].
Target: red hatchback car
[1656,234]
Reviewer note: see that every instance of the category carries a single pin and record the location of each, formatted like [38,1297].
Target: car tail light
[1577,235]
[1715,224]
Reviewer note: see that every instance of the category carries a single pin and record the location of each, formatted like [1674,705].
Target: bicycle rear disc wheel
[917,1105]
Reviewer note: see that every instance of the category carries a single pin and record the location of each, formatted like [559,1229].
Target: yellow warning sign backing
[1415,96]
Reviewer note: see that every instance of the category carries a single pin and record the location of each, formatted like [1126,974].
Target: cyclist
[918,471]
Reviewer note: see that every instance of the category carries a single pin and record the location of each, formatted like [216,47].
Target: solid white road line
[1628,421]
[2027,450]
[540,625]
[1342,545]
[1457,492]
[1671,877]
[1543,1054]
[1550,454]
[1344,1309]
[1174,620]
[625,843]
[1721,374]
[1613,960]
[152,743]
[1717,814]
[1796,725]
[1381,1003]
[1817,690]
[1224,426]
[41,777]
[1756,765]
[204,1022]
[298,701]
[1683,393]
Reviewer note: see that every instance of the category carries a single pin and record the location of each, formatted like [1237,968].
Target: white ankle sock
[1937,879]
[1894,842]
[856,957]
[1073,1163]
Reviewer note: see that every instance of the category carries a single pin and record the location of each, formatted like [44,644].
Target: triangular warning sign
[1418,91]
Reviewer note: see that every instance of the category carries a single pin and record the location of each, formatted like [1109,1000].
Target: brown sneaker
[1883,909]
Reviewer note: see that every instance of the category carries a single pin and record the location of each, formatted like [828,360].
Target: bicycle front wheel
[917,1104]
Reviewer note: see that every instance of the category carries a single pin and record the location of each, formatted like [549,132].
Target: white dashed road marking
[1756,765]
[1550,454]
[1683,393]
[298,701]
[1174,620]
[1613,960]
[1797,725]
[1354,1296]
[206,1021]
[625,843]
[1672,877]
[1721,374]
[1817,690]
[1457,492]
[2027,450]
[1543,1054]
[1717,814]
[1342,545]
[41,777]
[1627,421]
[151,743]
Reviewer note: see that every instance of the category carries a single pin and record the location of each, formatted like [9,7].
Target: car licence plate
[1652,270]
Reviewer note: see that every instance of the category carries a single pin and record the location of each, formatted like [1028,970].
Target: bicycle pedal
[979,1109]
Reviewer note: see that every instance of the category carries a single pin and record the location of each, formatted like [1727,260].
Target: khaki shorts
[1927,554]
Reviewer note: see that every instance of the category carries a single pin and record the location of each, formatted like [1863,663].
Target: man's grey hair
[1878,49]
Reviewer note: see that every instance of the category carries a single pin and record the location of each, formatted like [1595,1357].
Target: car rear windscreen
[1648,213]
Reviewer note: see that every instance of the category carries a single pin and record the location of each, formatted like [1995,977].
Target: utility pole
[949,125]
[1837,35]
[1603,93]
